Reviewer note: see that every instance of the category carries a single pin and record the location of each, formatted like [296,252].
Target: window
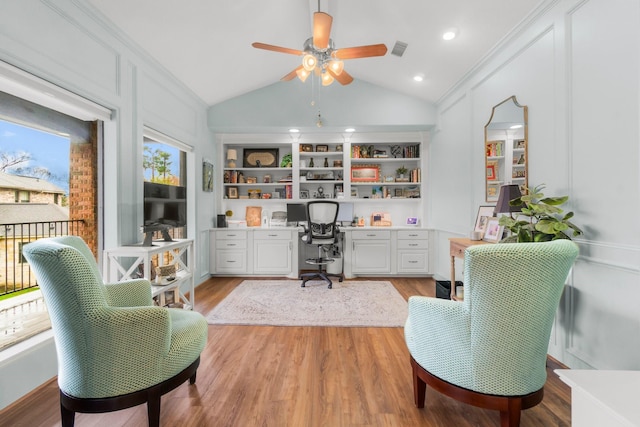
[22,196]
[164,164]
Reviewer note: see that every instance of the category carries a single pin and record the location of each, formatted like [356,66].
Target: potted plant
[286,161]
[544,219]
[401,171]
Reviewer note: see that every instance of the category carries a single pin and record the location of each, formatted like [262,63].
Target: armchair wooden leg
[153,408]
[419,386]
[68,416]
[192,380]
[511,417]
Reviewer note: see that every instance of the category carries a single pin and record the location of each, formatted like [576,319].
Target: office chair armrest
[129,293]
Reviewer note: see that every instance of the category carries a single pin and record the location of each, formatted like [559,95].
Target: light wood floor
[298,377]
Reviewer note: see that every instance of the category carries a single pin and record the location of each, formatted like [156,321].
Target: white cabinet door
[272,251]
[371,256]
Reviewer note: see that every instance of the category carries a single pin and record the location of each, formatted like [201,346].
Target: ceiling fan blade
[291,75]
[277,48]
[321,29]
[361,51]
[343,78]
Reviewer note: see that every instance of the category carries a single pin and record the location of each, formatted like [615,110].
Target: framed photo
[354,192]
[484,213]
[322,148]
[398,192]
[365,173]
[493,231]
[412,220]
[260,158]
[304,194]
[307,148]
[491,172]
[232,192]
[207,177]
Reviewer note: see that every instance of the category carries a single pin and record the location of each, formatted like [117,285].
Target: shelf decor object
[260,158]
[365,173]
[232,156]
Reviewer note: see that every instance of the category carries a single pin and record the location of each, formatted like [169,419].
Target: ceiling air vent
[399,48]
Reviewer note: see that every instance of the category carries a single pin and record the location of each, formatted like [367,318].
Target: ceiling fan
[319,54]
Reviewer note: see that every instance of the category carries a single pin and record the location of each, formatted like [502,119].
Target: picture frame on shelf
[260,158]
[484,213]
[354,193]
[493,230]
[306,148]
[232,192]
[365,173]
[412,220]
[207,177]
[322,148]
[304,194]
[491,172]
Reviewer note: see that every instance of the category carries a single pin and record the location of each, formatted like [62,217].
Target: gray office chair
[321,231]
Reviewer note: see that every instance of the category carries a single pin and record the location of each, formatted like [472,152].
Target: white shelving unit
[295,184]
[128,262]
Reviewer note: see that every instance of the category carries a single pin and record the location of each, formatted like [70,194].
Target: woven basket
[166,270]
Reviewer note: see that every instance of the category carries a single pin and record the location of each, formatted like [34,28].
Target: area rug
[286,303]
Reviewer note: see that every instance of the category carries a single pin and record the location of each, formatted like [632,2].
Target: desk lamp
[507,193]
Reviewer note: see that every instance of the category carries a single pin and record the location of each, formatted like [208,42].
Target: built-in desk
[366,251]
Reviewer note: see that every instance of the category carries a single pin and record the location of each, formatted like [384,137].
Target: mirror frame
[505,162]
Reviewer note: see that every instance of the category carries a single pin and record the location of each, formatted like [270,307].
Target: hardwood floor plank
[272,376]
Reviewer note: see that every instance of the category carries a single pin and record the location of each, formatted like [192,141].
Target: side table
[457,246]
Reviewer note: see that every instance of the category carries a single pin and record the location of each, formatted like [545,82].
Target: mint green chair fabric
[495,342]
[110,339]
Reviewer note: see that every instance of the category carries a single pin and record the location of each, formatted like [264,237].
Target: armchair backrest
[321,217]
[512,292]
[72,288]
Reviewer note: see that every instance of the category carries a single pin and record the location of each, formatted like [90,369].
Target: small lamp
[508,193]
[232,156]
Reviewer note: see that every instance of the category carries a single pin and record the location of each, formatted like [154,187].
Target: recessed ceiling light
[350,130]
[294,130]
[450,34]
[418,77]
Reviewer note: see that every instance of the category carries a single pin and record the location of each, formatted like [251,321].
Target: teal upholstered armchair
[115,349]
[490,350]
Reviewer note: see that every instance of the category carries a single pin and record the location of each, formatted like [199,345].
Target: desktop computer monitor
[345,213]
[296,212]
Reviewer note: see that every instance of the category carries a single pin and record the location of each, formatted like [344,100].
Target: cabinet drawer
[231,235]
[413,234]
[272,234]
[413,244]
[412,261]
[371,234]
[231,262]
[231,244]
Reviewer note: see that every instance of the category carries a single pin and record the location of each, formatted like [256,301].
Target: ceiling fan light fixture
[302,74]
[327,79]
[336,66]
[309,62]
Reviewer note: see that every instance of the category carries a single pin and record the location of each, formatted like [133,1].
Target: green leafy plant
[401,170]
[544,219]
[286,161]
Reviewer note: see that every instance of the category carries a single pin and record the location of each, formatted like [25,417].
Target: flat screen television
[165,207]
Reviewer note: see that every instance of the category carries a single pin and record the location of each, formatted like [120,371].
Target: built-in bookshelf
[272,170]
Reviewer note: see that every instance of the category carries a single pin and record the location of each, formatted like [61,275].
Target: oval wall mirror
[505,148]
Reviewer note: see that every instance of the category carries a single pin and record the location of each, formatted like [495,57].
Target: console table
[457,246]
[125,263]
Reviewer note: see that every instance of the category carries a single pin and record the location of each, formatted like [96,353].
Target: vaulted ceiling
[206,44]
